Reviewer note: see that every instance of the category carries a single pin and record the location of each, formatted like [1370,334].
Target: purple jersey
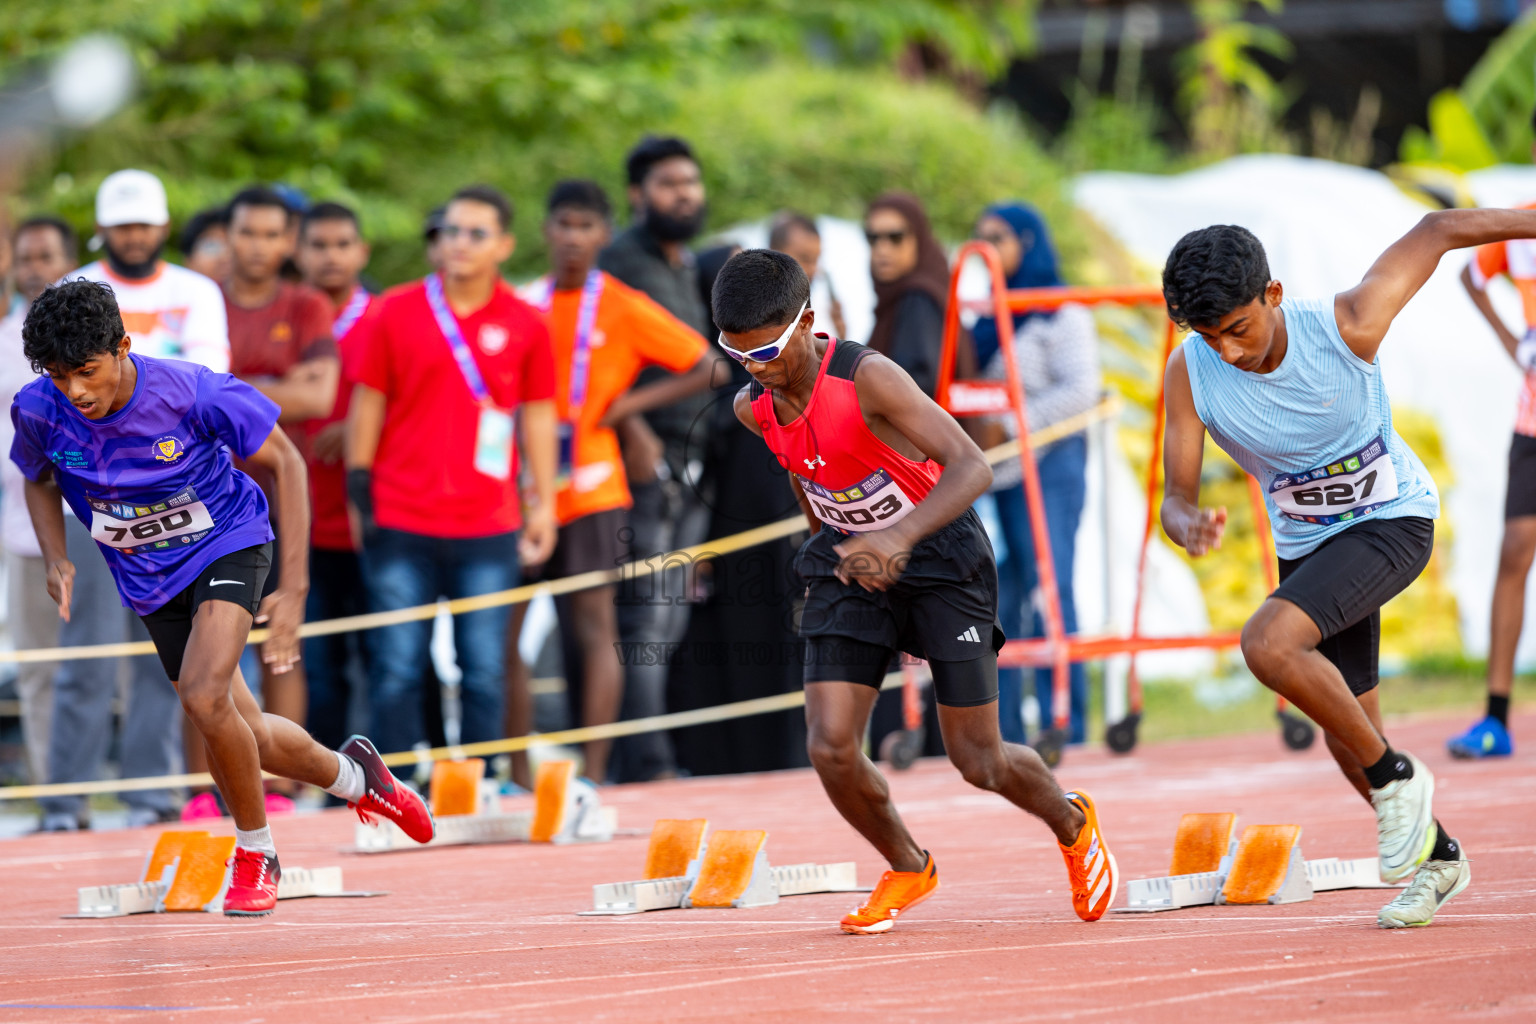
[154,480]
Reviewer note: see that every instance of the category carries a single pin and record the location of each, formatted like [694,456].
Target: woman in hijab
[911,276]
[1058,359]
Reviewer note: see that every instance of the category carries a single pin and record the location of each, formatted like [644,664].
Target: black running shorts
[1345,581]
[238,577]
[942,609]
[1520,492]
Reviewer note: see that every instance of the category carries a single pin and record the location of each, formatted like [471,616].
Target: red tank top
[855,481]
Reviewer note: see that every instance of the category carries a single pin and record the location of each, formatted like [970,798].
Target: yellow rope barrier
[634,570]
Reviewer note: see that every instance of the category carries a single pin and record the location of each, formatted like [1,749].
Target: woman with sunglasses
[911,276]
[1058,359]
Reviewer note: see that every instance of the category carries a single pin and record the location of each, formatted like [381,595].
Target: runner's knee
[983,767]
[1267,644]
[832,753]
[1516,552]
[201,698]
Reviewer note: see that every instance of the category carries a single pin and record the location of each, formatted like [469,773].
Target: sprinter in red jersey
[897,561]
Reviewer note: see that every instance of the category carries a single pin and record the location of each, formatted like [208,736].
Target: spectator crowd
[464,436]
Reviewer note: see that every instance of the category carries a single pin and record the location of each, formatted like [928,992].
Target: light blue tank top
[1316,432]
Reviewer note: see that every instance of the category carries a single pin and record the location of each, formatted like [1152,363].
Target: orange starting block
[188,871]
[1264,866]
[566,809]
[730,870]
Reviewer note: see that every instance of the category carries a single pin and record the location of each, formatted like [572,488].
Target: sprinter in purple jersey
[140,448]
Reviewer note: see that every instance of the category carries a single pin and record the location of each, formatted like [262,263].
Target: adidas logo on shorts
[971,635]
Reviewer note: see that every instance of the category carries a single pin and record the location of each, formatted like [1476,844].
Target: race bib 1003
[1355,485]
[872,504]
[180,519]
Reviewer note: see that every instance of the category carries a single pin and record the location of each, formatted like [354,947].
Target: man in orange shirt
[603,333]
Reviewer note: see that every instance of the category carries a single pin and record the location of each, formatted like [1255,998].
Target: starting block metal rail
[1264,867]
[192,876]
[566,810]
[732,870]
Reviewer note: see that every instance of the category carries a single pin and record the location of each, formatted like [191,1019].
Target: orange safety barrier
[990,397]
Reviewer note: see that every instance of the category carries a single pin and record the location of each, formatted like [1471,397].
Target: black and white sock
[1446,848]
[1390,768]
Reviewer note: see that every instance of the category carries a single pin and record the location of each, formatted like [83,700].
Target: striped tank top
[1316,432]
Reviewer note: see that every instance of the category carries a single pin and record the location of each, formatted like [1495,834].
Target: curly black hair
[70,324]
[758,288]
[1211,272]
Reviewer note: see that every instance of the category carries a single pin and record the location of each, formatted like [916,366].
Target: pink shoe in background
[279,804]
[202,807]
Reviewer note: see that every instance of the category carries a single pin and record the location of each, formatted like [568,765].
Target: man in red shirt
[331,255]
[280,343]
[432,463]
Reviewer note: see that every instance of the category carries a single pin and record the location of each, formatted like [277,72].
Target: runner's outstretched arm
[282,611]
[45,504]
[1193,528]
[1484,306]
[876,559]
[1366,311]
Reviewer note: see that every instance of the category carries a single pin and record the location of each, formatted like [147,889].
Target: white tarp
[1323,224]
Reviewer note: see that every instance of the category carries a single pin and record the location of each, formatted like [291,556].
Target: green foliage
[392,103]
[1234,105]
[1488,120]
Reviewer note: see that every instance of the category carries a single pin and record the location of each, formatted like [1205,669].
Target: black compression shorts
[238,577]
[942,609]
[1345,581]
[1520,491]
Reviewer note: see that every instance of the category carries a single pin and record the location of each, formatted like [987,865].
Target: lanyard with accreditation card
[347,319]
[542,297]
[493,435]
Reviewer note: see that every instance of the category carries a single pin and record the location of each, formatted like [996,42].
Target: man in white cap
[170,312]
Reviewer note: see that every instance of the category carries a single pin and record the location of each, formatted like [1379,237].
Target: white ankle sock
[350,782]
[258,840]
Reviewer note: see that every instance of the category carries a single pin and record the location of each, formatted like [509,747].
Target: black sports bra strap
[846,356]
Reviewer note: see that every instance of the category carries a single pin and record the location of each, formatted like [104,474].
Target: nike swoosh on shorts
[220,583]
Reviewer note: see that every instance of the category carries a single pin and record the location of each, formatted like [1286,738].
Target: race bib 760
[179,519]
[1355,485]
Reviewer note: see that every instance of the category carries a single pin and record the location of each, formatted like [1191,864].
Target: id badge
[493,443]
[566,434]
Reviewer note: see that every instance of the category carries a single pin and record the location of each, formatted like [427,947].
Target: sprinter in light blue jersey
[1293,392]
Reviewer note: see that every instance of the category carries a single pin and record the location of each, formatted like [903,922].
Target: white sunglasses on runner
[765,353]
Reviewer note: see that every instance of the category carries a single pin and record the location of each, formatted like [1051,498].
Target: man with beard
[171,313]
[666,192]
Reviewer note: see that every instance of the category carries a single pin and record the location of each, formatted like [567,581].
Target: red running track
[490,933]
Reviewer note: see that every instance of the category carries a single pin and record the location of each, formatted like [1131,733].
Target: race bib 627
[179,519]
[1355,485]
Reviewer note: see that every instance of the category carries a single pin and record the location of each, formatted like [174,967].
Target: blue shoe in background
[1485,739]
